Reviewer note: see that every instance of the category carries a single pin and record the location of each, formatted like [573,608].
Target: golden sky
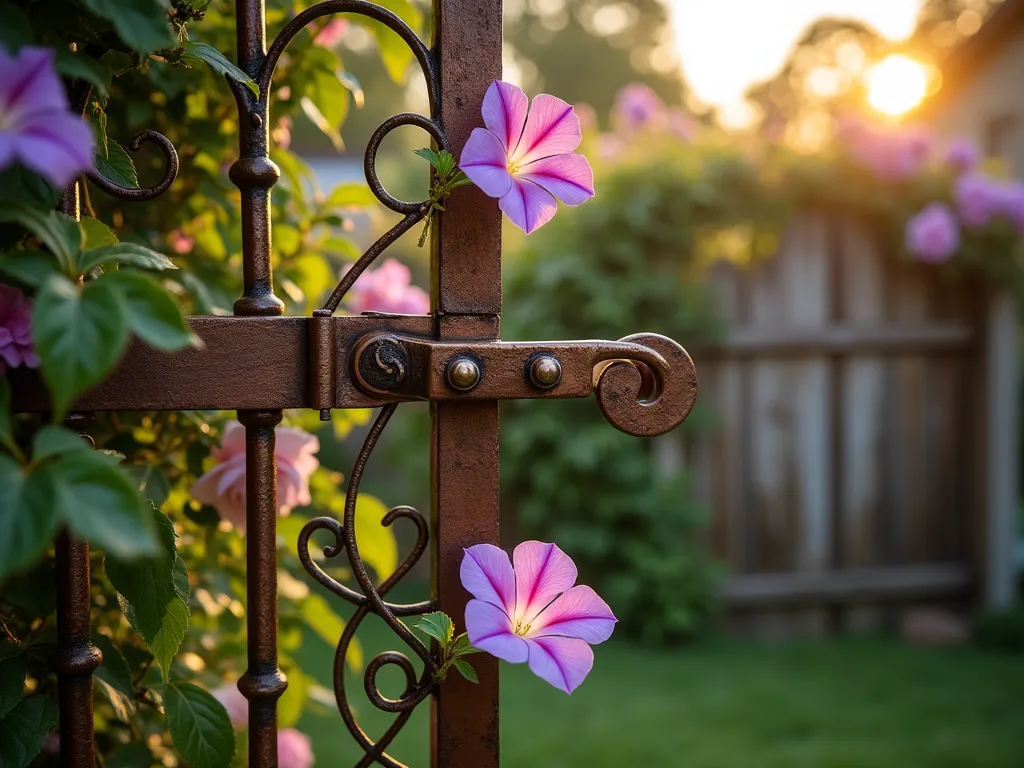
[726,45]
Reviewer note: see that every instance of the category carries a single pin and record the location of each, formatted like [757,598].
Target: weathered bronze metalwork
[259,363]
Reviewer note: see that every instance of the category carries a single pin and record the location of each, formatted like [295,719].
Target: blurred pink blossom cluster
[892,153]
[16,346]
[293,746]
[638,109]
[388,289]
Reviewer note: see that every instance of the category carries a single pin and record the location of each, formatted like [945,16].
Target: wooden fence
[866,446]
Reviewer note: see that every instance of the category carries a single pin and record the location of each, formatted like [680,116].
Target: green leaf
[57,231]
[16,30]
[52,440]
[128,254]
[199,726]
[114,678]
[349,195]
[81,66]
[152,313]
[101,504]
[466,670]
[394,53]
[6,431]
[24,729]
[376,542]
[328,626]
[115,164]
[153,594]
[96,234]
[322,121]
[462,647]
[220,63]
[30,267]
[142,24]
[30,515]
[134,754]
[438,626]
[80,333]
[293,700]
[12,683]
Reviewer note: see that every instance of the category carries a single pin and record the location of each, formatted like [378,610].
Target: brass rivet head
[545,372]
[463,374]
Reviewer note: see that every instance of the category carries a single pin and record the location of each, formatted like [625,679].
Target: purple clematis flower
[525,157]
[534,613]
[36,126]
[933,235]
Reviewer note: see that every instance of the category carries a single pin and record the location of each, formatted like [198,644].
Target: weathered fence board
[864,448]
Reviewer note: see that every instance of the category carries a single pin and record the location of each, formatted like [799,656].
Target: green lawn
[842,704]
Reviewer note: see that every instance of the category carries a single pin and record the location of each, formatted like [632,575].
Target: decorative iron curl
[652,391]
[371,599]
[413,212]
[142,194]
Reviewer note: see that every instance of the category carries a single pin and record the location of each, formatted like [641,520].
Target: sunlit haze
[727,45]
[896,84]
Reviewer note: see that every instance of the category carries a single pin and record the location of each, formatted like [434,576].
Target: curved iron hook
[142,194]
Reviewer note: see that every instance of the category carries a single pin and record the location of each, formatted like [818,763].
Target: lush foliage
[168,579]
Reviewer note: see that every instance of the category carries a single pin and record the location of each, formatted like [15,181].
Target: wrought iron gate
[259,363]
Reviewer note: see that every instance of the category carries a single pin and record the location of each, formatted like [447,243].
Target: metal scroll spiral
[371,599]
[413,212]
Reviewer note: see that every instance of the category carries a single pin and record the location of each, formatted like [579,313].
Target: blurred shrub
[1001,630]
[620,264]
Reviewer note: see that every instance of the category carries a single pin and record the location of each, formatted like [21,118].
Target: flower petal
[564,662]
[30,84]
[567,177]
[543,572]
[490,630]
[56,146]
[528,205]
[552,128]
[487,575]
[204,490]
[485,162]
[232,442]
[504,110]
[576,613]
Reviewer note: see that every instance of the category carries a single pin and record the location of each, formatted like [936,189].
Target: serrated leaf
[436,625]
[80,333]
[81,66]
[142,24]
[57,231]
[29,267]
[115,164]
[220,63]
[100,503]
[129,254]
[114,679]
[96,234]
[462,647]
[153,594]
[30,515]
[151,312]
[466,670]
[12,683]
[24,730]
[199,726]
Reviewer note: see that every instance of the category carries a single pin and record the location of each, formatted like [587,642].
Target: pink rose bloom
[890,154]
[223,486]
[180,242]
[37,127]
[637,107]
[330,34]
[235,703]
[16,330]
[978,199]
[387,289]
[525,155]
[933,235]
[962,156]
[293,749]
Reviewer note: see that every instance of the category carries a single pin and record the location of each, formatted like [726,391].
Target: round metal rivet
[463,374]
[545,372]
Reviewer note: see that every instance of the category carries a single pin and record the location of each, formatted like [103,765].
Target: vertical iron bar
[466,298]
[263,682]
[76,658]
[253,173]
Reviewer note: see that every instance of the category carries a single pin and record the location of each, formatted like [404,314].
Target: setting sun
[896,84]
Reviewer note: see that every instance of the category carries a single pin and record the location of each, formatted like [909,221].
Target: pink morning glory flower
[533,613]
[223,487]
[16,346]
[37,128]
[638,107]
[388,289]
[933,235]
[524,156]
